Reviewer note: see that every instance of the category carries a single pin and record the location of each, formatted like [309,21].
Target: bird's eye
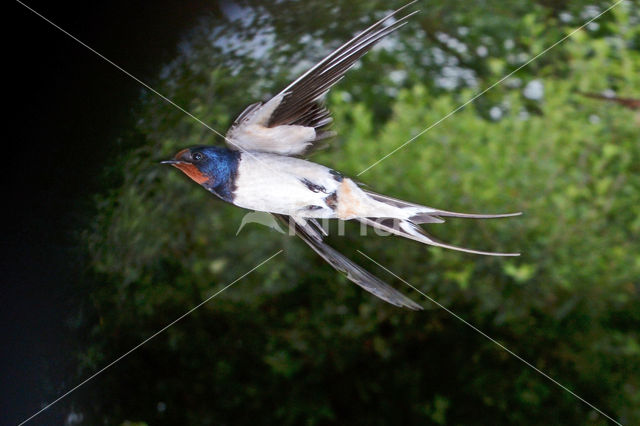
[197,156]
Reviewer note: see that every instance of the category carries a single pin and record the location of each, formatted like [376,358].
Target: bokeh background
[295,342]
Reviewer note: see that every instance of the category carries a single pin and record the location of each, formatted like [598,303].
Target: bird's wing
[293,121]
[310,233]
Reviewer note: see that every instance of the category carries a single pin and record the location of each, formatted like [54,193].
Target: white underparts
[293,186]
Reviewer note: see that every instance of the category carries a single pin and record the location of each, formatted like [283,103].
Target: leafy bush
[294,342]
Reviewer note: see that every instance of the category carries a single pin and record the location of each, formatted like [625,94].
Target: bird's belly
[285,198]
[284,185]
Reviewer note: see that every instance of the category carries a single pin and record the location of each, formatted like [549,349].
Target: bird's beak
[179,158]
[182,162]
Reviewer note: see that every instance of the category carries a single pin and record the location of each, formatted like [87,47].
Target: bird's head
[206,165]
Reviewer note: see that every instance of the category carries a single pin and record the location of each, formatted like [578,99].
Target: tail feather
[474,215]
[425,214]
[405,218]
[410,230]
[426,218]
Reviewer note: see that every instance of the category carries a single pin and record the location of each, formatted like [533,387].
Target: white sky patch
[459,46]
[443,37]
[523,114]
[388,44]
[305,39]
[74,418]
[439,58]
[495,112]
[255,47]
[593,26]
[482,51]
[398,76]
[534,90]
[234,12]
[391,91]
[452,42]
[418,41]
[392,19]
[565,17]
[589,12]
[513,82]
[452,77]
[346,96]
[301,67]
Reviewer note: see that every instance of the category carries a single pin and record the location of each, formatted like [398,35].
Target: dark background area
[54,168]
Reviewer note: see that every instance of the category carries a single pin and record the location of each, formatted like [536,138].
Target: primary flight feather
[261,169]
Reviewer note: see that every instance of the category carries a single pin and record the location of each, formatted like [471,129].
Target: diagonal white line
[490,87]
[123,70]
[149,338]
[500,345]
[163,97]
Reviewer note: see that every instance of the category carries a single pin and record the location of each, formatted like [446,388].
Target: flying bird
[262,168]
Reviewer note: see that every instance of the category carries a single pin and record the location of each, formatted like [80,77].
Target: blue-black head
[210,166]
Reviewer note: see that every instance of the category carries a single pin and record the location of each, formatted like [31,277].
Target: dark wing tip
[352,271]
[301,102]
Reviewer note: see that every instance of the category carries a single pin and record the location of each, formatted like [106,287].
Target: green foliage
[294,342]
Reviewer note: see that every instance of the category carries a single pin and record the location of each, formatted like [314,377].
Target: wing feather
[292,121]
[353,272]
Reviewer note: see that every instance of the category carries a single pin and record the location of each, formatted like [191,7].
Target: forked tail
[408,227]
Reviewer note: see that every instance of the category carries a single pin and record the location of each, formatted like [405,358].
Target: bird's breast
[279,184]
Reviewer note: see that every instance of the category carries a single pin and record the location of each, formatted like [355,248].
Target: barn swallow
[261,168]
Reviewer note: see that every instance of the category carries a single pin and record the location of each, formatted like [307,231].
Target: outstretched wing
[313,237]
[293,121]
